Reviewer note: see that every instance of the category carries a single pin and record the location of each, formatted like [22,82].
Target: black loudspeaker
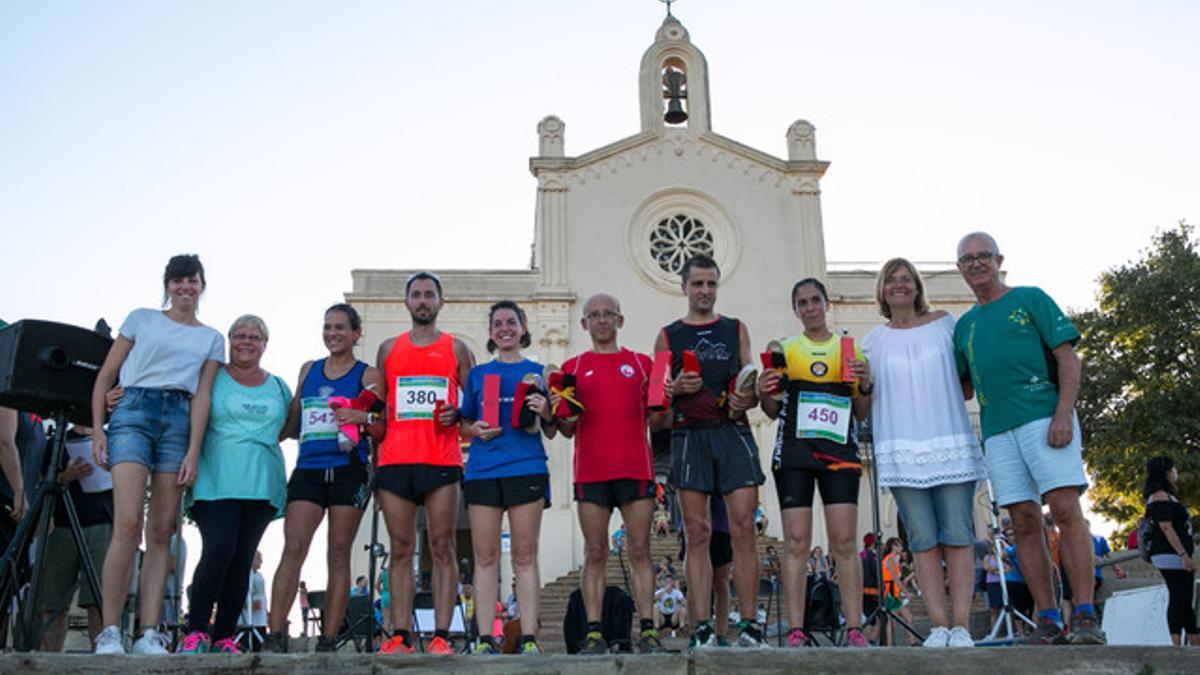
[46,367]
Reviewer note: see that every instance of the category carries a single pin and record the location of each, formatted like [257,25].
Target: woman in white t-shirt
[925,449]
[166,361]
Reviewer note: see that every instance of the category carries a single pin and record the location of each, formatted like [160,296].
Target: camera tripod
[1005,617]
[18,580]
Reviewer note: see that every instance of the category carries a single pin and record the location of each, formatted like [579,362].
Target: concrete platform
[877,661]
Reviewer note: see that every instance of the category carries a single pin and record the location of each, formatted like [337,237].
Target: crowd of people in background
[180,420]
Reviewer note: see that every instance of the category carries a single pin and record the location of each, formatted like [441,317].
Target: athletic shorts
[614,493]
[715,460]
[507,492]
[348,485]
[795,487]
[870,604]
[63,570]
[414,482]
[1022,466]
[720,549]
[994,595]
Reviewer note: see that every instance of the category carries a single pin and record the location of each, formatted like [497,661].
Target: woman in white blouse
[926,452]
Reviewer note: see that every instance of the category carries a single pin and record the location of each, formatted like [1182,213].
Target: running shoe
[649,642]
[1085,630]
[227,646]
[855,638]
[483,648]
[594,643]
[938,637]
[796,637]
[703,638]
[960,637]
[722,642]
[395,645]
[1047,632]
[196,642]
[439,646]
[110,641]
[530,648]
[326,644]
[751,635]
[275,643]
[152,643]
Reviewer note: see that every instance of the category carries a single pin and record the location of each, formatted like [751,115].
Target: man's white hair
[991,241]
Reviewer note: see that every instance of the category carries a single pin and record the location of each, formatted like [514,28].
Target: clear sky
[290,142]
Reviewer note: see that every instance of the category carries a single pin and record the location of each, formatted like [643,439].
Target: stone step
[1131,659]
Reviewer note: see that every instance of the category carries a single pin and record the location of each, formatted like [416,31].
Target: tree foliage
[1140,394]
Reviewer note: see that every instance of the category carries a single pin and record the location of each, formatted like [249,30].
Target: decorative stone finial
[671,31]
[550,136]
[802,141]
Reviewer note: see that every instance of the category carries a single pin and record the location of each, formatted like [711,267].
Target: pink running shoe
[855,638]
[196,642]
[226,646]
[796,637]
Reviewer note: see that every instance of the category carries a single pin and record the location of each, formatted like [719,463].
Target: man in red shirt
[613,465]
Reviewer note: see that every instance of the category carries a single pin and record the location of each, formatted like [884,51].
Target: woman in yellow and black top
[816,449]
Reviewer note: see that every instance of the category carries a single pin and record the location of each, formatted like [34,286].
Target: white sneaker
[152,643]
[960,637]
[938,637]
[110,641]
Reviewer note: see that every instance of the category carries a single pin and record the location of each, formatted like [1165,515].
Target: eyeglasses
[984,257]
[602,315]
[246,337]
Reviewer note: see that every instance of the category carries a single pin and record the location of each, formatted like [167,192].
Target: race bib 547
[317,420]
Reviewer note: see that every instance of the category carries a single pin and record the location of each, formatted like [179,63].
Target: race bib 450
[821,415]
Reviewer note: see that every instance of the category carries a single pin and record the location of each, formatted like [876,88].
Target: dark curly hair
[526,340]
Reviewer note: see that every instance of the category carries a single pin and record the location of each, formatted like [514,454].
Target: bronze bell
[674,90]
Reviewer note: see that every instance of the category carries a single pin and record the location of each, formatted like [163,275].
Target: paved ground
[1089,660]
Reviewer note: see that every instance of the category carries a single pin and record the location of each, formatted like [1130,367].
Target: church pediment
[652,146]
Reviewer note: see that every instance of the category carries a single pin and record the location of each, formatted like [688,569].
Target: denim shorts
[150,427]
[938,515]
[1023,466]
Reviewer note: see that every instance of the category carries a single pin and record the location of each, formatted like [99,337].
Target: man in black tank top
[712,449]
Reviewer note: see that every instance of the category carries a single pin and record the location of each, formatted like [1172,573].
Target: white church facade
[621,219]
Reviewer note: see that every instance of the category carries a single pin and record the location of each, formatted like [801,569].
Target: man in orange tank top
[420,459]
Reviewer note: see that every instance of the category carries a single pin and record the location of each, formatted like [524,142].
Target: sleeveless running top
[718,349]
[318,427]
[416,379]
[815,429]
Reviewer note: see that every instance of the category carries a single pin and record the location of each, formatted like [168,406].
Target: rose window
[678,238]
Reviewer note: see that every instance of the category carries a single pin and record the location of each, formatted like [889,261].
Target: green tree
[1140,394]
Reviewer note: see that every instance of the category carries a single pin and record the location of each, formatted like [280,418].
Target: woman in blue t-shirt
[326,477]
[506,471]
[166,361]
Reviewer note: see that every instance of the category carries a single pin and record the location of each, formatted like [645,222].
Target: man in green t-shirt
[1016,349]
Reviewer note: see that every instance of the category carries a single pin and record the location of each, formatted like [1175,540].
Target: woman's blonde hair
[250,321]
[889,268]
